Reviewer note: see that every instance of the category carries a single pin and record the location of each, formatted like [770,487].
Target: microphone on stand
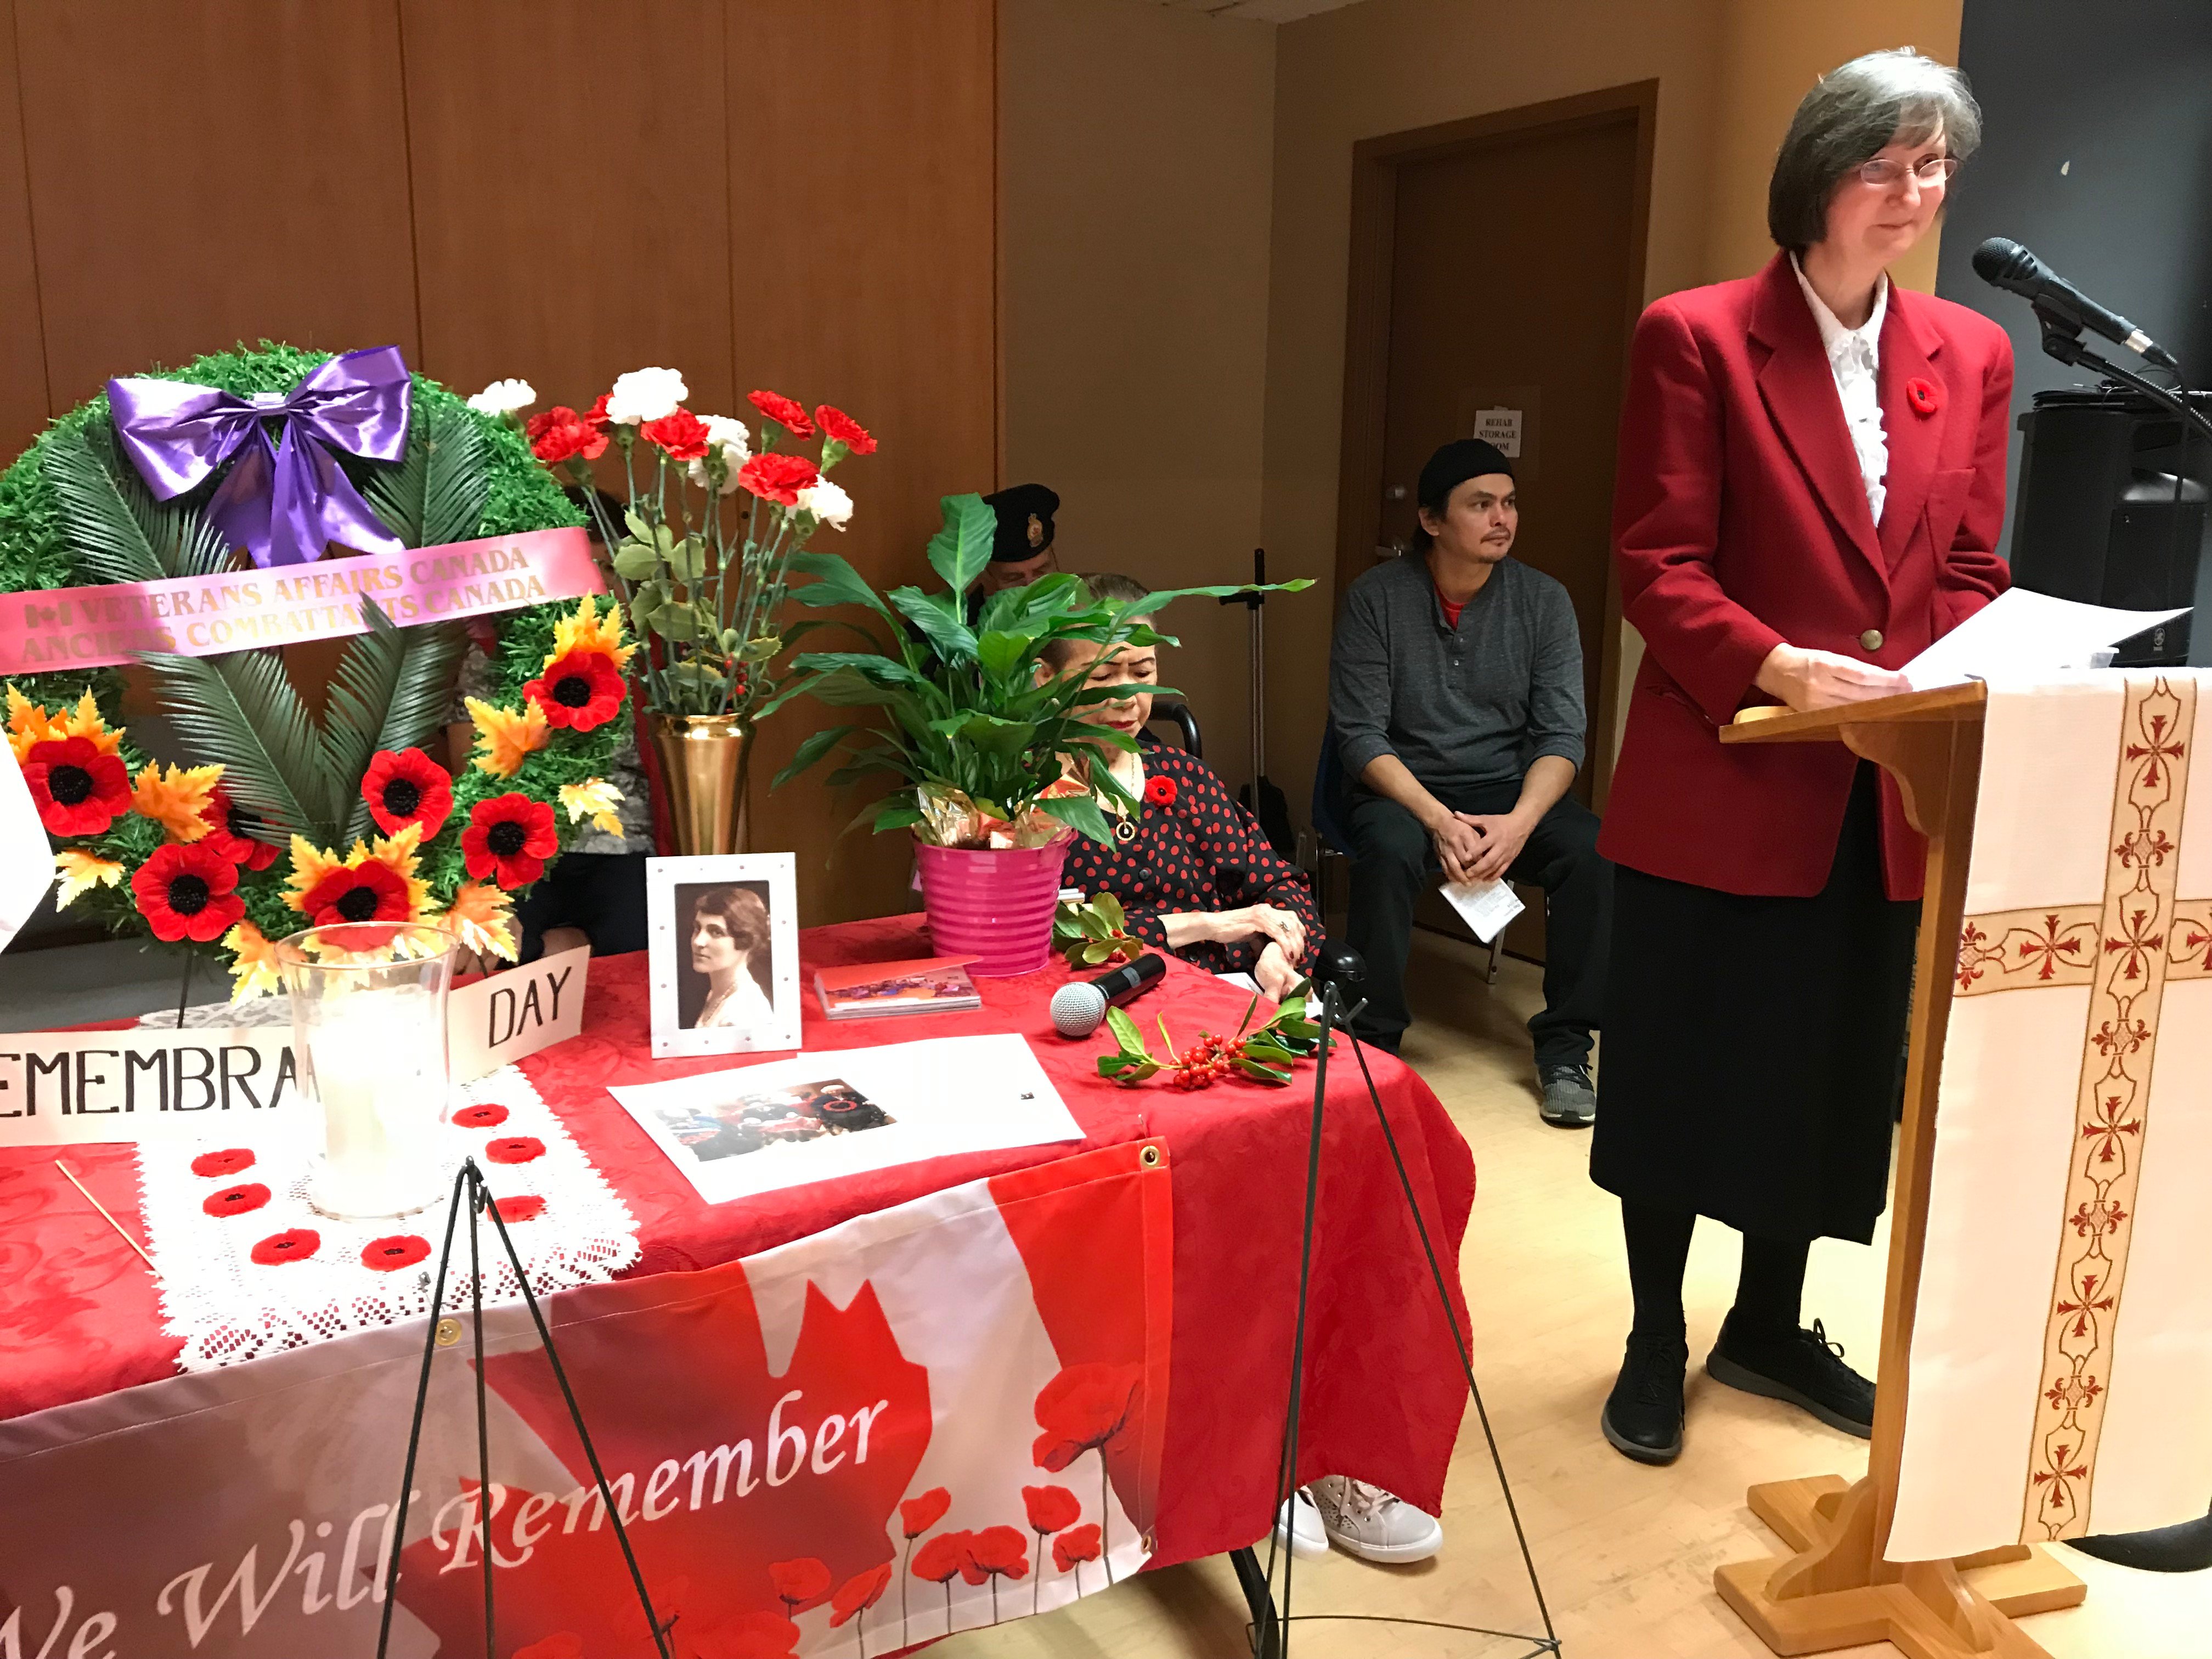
[2005,263]
[1079,1007]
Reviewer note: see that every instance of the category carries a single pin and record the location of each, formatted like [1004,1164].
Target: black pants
[1394,862]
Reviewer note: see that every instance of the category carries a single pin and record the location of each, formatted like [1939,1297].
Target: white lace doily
[309,1279]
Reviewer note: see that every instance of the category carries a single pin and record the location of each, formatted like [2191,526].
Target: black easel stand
[469,1190]
[1271,1637]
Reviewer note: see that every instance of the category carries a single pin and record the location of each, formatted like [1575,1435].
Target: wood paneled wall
[790,193]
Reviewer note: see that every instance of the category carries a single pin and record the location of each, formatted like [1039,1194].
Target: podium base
[1822,1595]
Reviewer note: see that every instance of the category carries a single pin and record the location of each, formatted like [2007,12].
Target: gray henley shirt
[1460,707]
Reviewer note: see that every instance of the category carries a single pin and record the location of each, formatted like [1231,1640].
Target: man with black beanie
[1455,694]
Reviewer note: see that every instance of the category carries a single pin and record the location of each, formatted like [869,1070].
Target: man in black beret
[1456,693]
[1021,547]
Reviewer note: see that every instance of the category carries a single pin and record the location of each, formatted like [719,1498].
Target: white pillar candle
[379,1071]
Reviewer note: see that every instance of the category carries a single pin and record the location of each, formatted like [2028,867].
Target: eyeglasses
[1933,173]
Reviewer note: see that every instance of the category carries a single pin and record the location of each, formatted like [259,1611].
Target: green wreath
[74,512]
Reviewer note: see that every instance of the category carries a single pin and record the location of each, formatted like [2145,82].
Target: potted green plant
[996,770]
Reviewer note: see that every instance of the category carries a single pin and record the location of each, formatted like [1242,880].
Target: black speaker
[2112,510]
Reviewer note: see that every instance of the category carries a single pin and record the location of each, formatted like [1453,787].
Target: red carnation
[786,412]
[1075,1544]
[1081,1409]
[236,1200]
[489,1116]
[840,427]
[188,892]
[683,436]
[558,433]
[595,416]
[523,1206]
[295,1245]
[370,891]
[942,1557]
[79,791]
[1159,791]
[407,787]
[798,1582]
[581,690]
[230,831]
[774,478]
[1052,1508]
[918,1515]
[508,839]
[390,1254]
[515,1149]
[225,1163]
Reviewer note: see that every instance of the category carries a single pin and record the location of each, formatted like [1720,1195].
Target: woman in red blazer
[1811,484]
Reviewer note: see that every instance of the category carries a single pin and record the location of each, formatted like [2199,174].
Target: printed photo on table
[723,935]
[787,1116]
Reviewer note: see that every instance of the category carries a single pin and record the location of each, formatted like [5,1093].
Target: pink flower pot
[995,906]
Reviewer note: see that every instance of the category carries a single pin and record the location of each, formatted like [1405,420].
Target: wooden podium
[1836,1589]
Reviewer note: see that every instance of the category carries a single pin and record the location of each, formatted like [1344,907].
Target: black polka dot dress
[1195,850]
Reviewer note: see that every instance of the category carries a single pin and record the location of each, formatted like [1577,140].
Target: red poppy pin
[489,1115]
[295,1245]
[236,1200]
[523,1206]
[1923,396]
[515,1149]
[225,1163]
[1159,791]
[389,1254]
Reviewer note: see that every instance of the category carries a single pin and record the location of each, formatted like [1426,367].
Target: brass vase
[704,761]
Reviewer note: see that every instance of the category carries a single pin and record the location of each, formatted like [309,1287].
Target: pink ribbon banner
[46,630]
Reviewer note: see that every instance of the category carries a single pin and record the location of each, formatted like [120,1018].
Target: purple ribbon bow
[282,502]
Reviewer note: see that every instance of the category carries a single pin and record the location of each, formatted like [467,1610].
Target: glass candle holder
[369,1032]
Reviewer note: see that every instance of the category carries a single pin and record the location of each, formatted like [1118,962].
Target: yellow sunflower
[586,629]
[253,962]
[80,874]
[482,916]
[596,798]
[506,738]
[29,723]
[179,801]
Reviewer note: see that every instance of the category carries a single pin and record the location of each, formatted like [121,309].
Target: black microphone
[2005,263]
[1079,1008]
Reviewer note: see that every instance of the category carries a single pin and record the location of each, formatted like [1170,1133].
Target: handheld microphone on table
[2005,263]
[1079,1007]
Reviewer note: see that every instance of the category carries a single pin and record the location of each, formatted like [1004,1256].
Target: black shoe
[1802,1367]
[1643,1415]
[2184,1548]
[1569,1096]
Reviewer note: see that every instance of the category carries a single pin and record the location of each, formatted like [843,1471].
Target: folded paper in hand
[1485,906]
[2024,633]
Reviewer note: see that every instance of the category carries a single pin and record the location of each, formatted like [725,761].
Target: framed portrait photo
[722,934]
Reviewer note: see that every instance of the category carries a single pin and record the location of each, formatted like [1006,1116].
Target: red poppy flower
[918,1515]
[798,1581]
[508,839]
[480,1117]
[683,436]
[79,791]
[558,433]
[1923,396]
[942,1557]
[407,787]
[188,892]
[515,1149]
[295,1245]
[786,412]
[841,427]
[1081,1409]
[1075,1544]
[390,1254]
[561,1644]
[581,690]
[774,478]
[595,416]
[229,1162]
[230,832]
[1159,791]
[523,1206]
[1052,1508]
[236,1200]
[999,1550]
[369,891]
[859,1593]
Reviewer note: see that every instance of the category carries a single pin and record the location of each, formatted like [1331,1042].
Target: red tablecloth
[79,1317]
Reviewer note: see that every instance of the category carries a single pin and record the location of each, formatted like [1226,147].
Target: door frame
[1375,164]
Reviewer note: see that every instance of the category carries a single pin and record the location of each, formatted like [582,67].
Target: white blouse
[1855,359]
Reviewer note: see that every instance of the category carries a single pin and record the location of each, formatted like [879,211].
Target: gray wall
[2097,154]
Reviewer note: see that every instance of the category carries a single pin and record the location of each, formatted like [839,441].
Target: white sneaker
[1298,1528]
[1373,1524]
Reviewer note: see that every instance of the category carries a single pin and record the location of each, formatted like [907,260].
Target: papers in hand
[2024,633]
[1485,906]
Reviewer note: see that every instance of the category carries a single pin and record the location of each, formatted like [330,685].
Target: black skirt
[1752,1045]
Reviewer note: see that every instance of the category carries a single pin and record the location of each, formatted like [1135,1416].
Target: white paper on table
[2023,633]
[1485,906]
[942,1094]
[1241,981]
[26,864]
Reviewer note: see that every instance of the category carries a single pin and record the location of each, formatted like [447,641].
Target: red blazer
[1741,523]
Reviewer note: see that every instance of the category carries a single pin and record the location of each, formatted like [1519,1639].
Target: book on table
[876,990]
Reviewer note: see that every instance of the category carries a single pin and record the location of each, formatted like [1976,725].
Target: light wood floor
[1625,1552]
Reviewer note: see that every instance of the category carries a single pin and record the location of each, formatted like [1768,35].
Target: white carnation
[733,441]
[827,502]
[504,397]
[646,394]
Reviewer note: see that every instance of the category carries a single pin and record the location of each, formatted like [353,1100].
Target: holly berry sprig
[1265,1054]
[1094,933]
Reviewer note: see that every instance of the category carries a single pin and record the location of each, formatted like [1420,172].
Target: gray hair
[1850,116]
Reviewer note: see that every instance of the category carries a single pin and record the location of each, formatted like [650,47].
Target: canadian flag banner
[940,1416]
